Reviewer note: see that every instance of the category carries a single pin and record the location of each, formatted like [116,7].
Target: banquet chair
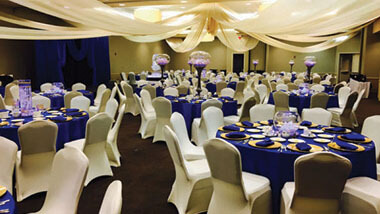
[234,191]
[131,106]
[46,87]
[41,100]
[247,94]
[34,160]
[192,189]
[319,180]
[190,151]
[122,97]
[94,146]
[171,92]
[65,184]
[355,107]
[281,87]
[182,89]
[298,81]
[2,104]
[99,93]
[69,96]
[337,87]
[318,88]
[78,86]
[316,80]
[317,115]
[124,76]
[131,79]
[281,102]
[319,100]
[8,97]
[227,92]
[81,102]
[220,86]
[261,112]
[102,105]
[263,92]
[142,76]
[113,92]
[244,116]
[169,82]
[113,199]
[163,110]
[8,153]
[204,92]
[198,127]
[370,129]
[344,117]
[146,101]
[15,92]
[292,86]
[111,107]
[151,90]
[111,146]
[287,80]
[148,120]
[213,119]
[142,83]
[280,82]
[239,95]
[186,83]
[332,80]
[325,82]
[273,86]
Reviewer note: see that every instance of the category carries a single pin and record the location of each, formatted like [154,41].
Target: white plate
[318,131]
[253,130]
[258,136]
[308,136]
[56,113]
[277,139]
[50,116]
[17,120]
[293,140]
[322,140]
[262,127]
[326,136]
[53,111]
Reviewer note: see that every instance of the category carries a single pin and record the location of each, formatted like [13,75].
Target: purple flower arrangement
[309,63]
[162,61]
[288,129]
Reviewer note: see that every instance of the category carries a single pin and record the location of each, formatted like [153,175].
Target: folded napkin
[247,123]
[169,97]
[73,114]
[235,135]
[306,123]
[227,98]
[182,95]
[336,129]
[182,101]
[354,137]
[265,143]
[303,146]
[231,128]
[270,122]
[348,146]
[58,119]
[71,110]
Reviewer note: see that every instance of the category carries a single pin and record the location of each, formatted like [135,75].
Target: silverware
[4,202]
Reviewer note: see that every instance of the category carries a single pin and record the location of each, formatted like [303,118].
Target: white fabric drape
[272,22]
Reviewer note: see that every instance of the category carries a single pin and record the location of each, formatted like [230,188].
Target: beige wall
[371,65]
[258,53]
[17,58]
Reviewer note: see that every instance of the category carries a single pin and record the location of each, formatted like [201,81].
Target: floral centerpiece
[255,63]
[200,60]
[310,61]
[162,60]
[303,89]
[286,123]
[291,63]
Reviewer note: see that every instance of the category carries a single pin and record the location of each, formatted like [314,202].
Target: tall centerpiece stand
[255,63]
[190,65]
[291,63]
[310,61]
[199,59]
[162,60]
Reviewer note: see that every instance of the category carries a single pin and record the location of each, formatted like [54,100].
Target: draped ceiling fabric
[275,22]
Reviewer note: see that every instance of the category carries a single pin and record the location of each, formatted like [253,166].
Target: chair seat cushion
[194,153]
[254,184]
[198,169]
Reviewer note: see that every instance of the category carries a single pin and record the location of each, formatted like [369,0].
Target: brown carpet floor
[147,172]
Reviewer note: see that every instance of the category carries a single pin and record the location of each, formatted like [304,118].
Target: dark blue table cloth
[211,87]
[57,101]
[278,166]
[300,102]
[2,90]
[67,131]
[11,205]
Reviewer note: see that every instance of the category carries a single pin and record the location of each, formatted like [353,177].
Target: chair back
[8,98]
[273,86]
[146,101]
[163,108]
[171,92]
[292,86]
[345,117]
[151,90]
[257,96]
[227,92]
[319,100]
[332,80]
[287,80]
[298,81]
[78,86]
[124,76]
[371,129]
[8,152]
[319,182]
[281,101]
[240,86]
[131,78]
[99,93]
[263,91]
[142,76]
[80,102]
[317,115]
[247,105]
[186,83]
[213,119]
[43,130]
[103,102]
[266,82]
[111,107]
[69,96]
[97,128]
[68,173]
[220,86]
[174,150]
[177,122]
[41,100]
[127,89]
[281,87]
[2,103]
[46,86]
[318,88]
[261,112]
[15,92]
[337,87]
[113,92]
[113,199]
[113,133]
[356,105]
[316,80]
[182,89]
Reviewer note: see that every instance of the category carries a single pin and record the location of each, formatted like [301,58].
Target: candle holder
[162,60]
[199,60]
[291,63]
[310,61]
[255,63]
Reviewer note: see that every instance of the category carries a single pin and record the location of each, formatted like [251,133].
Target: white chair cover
[263,92]
[213,118]
[113,199]
[111,146]
[8,151]
[261,112]
[41,100]
[113,92]
[46,86]
[318,88]
[122,97]
[102,105]
[99,93]
[148,120]
[227,92]
[81,102]
[163,110]
[171,92]
[317,115]
[343,94]
[111,107]
[131,106]
[146,101]
[15,92]
[69,96]
[281,86]
[78,86]
[124,76]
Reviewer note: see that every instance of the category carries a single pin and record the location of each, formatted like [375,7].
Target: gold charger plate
[367,140]
[79,110]
[3,190]
[314,148]
[325,129]
[4,123]
[225,137]
[264,122]
[241,125]
[333,145]
[221,129]
[276,145]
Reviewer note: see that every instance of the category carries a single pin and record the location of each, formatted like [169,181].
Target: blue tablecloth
[67,131]
[57,101]
[211,87]
[2,91]
[11,205]
[278,166]
[301,101]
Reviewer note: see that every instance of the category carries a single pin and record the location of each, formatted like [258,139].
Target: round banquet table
[301,101]
[67,131]
[211,87]
[57,100]
[10,205]
[278,166]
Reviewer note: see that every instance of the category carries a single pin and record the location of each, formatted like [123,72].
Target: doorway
[348,63]
[238,63]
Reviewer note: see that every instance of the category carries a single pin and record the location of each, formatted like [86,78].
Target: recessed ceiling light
[121,5]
